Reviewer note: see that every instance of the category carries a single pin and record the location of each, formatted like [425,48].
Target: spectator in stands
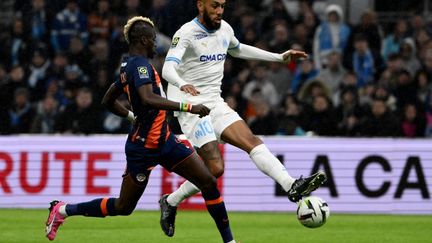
[15,48]
[101,21]
[74,79]
[81,116]
[261,83]
[331,34]
[21,113]
[17,79]
[38,71]
[37,19]
[381,122]
[290,117]
[382,92]
[364,61]
[334,73]
[369,28]
[301,37]
[405,90]
[423,83]
[408,53]
[100,56]
[276,14]
[390,74]
[312,89]
[265,121]
[46,115]
[308,17]
[413,121]
[280,41]
[159,14]
[280,77]
[79,54]
[349,111]
[305,71]
[68,23]
[321,117]
[392,41]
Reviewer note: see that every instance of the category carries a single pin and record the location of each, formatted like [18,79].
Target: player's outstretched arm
[253,53]
[149,98]
[110,102]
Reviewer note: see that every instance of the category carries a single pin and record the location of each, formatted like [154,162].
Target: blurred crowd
[372,79]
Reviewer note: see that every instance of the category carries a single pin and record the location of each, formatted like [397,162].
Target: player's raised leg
[194,170]
[124,205]
[240,135]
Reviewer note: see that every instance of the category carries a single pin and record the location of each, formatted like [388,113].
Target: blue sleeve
[142,72]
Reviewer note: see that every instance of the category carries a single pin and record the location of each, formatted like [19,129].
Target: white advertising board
[364,175]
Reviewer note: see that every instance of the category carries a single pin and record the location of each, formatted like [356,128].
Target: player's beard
[209,23]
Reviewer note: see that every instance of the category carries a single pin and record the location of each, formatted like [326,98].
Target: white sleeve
[174,57]
[252,53]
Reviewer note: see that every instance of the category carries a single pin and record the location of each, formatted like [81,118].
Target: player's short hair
[131,22]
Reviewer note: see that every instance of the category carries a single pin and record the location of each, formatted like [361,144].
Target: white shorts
[200,131]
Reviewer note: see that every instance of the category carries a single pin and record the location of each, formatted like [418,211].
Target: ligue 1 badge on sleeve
[143,72]
[175,41]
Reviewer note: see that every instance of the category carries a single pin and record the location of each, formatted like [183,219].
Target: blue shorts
[141,160]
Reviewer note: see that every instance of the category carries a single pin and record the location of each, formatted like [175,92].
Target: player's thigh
[222,117]
[212,157]
[240,135]
[194,170]
[199,131]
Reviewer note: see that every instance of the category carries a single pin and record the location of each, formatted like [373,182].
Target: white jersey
[200,54]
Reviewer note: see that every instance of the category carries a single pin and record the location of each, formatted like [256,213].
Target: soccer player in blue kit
[150,142]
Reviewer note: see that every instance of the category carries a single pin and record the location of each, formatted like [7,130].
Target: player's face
[212,11]
[151,44]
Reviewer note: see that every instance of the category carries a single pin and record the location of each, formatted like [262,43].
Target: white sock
[62,210]
[233,241]
[187,189]
[271,166]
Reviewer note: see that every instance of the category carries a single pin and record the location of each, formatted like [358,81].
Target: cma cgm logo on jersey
[212,57]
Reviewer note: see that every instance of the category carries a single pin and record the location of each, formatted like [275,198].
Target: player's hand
[201,110]
[189,88]
[290,55]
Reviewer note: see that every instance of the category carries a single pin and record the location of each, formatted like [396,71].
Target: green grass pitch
[25,225]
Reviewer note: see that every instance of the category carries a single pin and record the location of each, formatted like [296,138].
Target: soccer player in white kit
[194,69]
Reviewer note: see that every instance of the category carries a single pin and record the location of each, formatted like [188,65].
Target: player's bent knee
[217,169]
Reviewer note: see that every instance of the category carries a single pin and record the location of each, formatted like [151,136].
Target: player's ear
[200,5]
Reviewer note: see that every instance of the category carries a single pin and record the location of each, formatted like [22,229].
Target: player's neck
[134,51]
[201,20]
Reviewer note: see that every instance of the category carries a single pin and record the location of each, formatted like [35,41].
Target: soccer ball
[312,212]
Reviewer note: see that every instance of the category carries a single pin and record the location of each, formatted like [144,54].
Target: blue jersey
[151,127]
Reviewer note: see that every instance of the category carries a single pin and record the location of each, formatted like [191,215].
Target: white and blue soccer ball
[312,212]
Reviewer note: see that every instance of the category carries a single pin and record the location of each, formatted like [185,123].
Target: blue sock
[217,210]
[100,207]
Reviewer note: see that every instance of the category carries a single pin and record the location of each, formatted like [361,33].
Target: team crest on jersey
[143,72]
[200,36]
[175,41]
